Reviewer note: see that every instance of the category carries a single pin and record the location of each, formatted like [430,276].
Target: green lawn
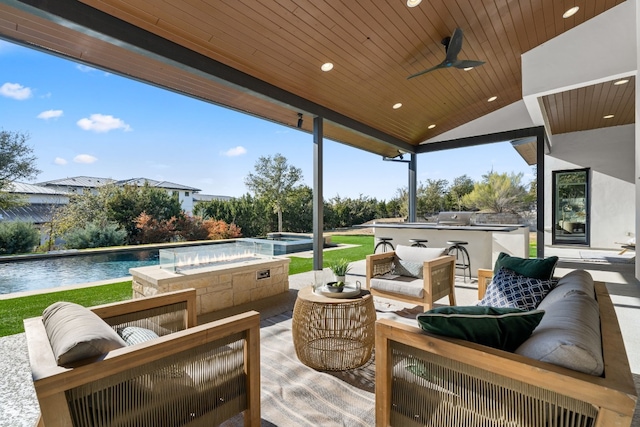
[14,310]
[301,265]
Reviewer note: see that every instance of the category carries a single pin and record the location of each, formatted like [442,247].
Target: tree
[461,186]
[274,181]
[16,162]
[82,209]
[129,202]
[430,197]
[498,193]
[248,213]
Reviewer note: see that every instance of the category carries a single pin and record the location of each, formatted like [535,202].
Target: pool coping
[64,288]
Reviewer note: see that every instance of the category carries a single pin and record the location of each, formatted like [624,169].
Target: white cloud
[85,68]
[50,114]
[15,91]
[103,123]
[60,161]
[236,151]
[85,158]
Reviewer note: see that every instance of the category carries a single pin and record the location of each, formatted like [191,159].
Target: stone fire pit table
[219,285]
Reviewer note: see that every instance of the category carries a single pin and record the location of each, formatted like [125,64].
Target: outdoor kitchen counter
[485,241]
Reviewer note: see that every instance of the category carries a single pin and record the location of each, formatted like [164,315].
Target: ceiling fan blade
[466,63]
[454,47]
[441,65]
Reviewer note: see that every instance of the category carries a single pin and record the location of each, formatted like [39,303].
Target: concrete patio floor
[18,406]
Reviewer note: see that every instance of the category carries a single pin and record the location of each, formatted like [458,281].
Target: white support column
[637,134]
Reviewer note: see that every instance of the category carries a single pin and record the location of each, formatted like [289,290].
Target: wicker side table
[333,334]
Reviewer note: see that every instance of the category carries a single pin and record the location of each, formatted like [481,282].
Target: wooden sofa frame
[612,395]
[438,273]
[52,382]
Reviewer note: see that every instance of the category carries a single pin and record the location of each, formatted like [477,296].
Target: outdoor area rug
[293,394]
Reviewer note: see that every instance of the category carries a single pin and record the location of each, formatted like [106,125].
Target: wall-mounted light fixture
[300,120]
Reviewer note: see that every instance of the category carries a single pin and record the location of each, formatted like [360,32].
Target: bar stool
[420,243]
[384,243]
[462,256]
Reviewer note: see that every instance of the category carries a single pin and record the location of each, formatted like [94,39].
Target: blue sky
[85,122]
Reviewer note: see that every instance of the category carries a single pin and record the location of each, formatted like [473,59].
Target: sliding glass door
[571,207]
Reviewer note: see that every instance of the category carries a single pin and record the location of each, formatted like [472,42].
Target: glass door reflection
[571,207]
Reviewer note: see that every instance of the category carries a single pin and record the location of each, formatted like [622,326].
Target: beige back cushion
[77,333]
[418,254]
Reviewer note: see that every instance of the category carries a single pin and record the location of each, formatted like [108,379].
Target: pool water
[70,270]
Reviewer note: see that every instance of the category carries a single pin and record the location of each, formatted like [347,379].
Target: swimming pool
[70,270]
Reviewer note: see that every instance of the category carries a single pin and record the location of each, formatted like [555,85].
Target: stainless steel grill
[455,218]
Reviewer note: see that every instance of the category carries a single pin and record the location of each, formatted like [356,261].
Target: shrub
[153,231]
[18,237]
[95,236]
[221,230]
[191,228]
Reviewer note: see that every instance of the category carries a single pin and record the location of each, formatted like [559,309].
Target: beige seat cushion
[403,285]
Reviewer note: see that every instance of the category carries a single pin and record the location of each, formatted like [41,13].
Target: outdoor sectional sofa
[166,371]
[428,379]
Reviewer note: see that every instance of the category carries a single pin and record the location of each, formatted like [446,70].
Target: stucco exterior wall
[610,154]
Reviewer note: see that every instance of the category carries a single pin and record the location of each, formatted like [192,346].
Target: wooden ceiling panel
[373,45]
[585,108]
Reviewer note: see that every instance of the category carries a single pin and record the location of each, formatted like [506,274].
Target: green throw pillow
[530,267]
[503,328]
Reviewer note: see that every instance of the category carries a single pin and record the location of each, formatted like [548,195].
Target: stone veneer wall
[499,218]
[218,287]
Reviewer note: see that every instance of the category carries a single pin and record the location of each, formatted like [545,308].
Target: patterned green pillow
[503,328]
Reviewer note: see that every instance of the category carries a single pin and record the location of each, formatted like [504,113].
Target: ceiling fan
[452,47]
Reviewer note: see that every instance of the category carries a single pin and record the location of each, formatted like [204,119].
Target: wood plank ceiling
[374,46]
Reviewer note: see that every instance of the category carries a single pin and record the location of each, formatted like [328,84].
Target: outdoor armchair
[187,375]
[412,274]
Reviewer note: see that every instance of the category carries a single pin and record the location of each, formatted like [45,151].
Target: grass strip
[14,310]
[364,248]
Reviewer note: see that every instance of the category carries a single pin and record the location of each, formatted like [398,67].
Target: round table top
[307,294]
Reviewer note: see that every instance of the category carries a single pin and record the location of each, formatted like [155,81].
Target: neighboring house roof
[154,183]
[38,213]
[209,197]
[79,181]
[24,188]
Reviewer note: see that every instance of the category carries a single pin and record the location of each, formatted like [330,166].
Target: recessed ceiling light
[413,3]
[328,66]
[569,13]
[493,98]
[431,126]
[621,82]
[608,116]
[468,68]
[398,105]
